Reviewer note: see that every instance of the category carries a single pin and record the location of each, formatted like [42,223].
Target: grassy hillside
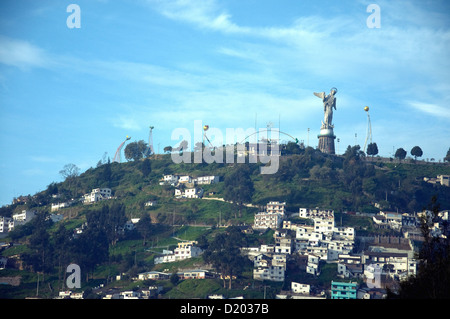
[307,179]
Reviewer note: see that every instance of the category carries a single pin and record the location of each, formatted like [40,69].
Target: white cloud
[431,109]
[21,53]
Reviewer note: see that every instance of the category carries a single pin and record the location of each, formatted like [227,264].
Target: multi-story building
[24,217]
[265,220]
[343,290]
[350,266]
[276,207]
[6,223]
[185,250]
[315,213]
[97,194]
[324,225]
[392,263]
[269,272]
[344,233]
[283,242]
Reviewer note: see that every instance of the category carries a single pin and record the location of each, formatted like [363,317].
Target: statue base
[326,140]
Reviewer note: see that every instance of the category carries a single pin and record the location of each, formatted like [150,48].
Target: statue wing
[321,95]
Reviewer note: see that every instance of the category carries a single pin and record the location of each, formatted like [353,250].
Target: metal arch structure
[268,130]
[369,130]
[119,150]
[150,150]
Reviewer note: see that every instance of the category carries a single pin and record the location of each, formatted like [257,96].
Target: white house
[308,233]
[313,265]
[185,179]
[399,264]
[24,217]
[97,194]
[314,213]
[299,288]
[6,224]
[207,180]
[345,233]
[153,275]
[169,180]
[283,243]
[189,193]
[185,250]
[56,206]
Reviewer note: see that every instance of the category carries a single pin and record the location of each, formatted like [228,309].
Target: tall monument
[326,136]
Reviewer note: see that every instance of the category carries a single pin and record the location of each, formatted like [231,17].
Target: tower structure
[150,151]
[369,130]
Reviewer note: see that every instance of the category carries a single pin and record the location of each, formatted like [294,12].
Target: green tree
[291,148]
[239,186]
[70,173]
[416,151]
[447,157]
[372,149]
[146,167]
[62,243]
[400,154]
[144,227]
[225,255]
[174,278]
[40,255]
[91,249]
[168,149]
[109,219]
[135,150]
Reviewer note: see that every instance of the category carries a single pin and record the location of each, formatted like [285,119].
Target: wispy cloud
[431,109]
[21,54]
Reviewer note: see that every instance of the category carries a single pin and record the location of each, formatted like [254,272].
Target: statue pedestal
[326,140]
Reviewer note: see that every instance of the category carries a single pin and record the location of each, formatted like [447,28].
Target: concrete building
[96,195]
[343,290]
[276,207]
[185,250]
[265,220]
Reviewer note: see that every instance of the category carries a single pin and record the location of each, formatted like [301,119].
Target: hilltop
[350,182]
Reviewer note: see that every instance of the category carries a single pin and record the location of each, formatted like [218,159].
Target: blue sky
[70,95]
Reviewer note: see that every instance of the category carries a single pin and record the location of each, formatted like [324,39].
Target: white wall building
[207,180]
[276,207]
[185,179]
[270,272]
[265,220]
[97,194]
[6,224]
[189,193]
[185,250]
[299,288]
[324,225]
[314,213]
[308,233]
[169,179]
[24,217]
